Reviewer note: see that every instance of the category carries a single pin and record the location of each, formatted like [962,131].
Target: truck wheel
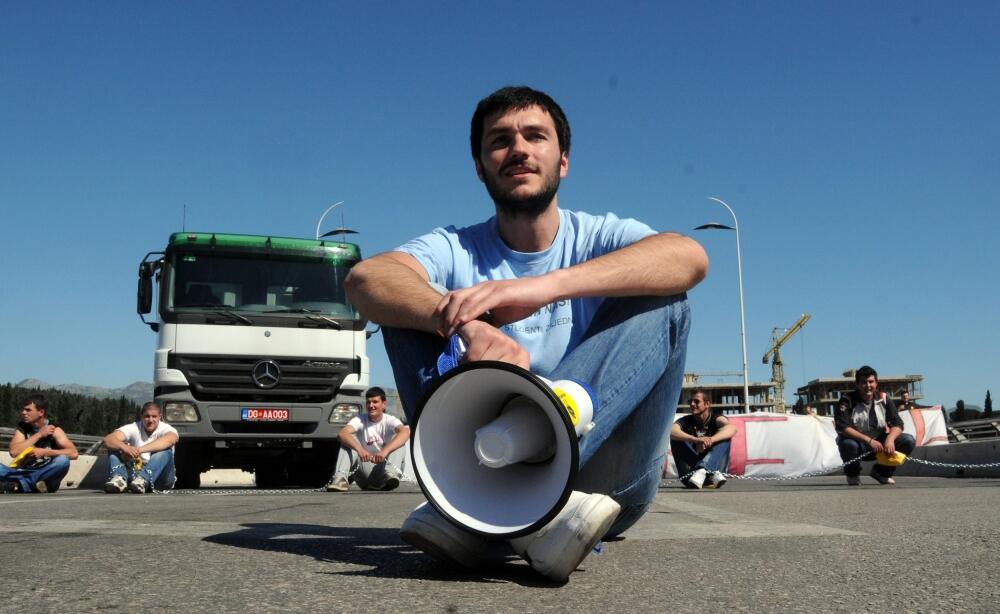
[271,476]
[188,478]
[188,465]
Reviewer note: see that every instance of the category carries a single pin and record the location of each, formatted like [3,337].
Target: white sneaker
[697,478]
[338,484]
[716,479]
[115,485]
[137,485]
[428,530]
[559,547]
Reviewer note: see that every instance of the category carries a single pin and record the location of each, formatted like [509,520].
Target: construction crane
[774,354]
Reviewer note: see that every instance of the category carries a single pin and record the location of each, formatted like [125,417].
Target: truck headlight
[342,412]
[179,411]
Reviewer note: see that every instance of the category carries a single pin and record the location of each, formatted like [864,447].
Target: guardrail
[973,430]
[85,444]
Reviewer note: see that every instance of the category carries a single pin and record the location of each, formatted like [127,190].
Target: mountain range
[137,392]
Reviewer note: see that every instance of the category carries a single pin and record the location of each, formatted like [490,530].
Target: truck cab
[260,357]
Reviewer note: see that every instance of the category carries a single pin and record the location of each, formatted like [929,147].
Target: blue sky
[857,142]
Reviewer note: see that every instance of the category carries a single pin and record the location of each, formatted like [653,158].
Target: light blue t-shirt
[459,258]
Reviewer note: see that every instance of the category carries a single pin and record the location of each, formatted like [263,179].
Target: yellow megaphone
[890,460]
[18,460]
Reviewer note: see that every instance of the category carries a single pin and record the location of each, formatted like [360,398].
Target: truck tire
[188,463]
[188,478]
[273,475]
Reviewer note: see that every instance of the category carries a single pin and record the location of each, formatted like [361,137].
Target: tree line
[961,412]
[75,413]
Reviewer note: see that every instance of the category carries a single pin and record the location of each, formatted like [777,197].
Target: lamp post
[739,270]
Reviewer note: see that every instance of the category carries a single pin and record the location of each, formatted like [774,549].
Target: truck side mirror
[144,294]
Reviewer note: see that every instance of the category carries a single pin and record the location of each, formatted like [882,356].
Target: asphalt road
[928,544]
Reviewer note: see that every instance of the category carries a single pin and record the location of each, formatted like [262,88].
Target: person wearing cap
[141,454]
[44,448]
[699,443]
[867,424]
[562,293]
[371,448]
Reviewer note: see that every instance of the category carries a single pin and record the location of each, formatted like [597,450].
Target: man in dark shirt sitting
[867,423]
[46,448]
[700,444]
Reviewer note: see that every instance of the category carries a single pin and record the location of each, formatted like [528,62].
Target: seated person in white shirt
[141,454]
[371,448]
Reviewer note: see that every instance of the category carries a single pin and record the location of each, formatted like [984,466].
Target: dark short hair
[39,401]
[515,98]
[704,394]
[864,373]
[375,391]
[149,404]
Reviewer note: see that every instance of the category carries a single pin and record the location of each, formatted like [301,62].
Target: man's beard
[531,205]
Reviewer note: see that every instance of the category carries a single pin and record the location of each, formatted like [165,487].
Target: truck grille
[230,378]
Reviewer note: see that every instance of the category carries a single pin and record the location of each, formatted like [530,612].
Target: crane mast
[774,354]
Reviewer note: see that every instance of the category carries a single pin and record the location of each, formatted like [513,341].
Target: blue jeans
[158,471]
[688,459]
[852,448]
[632,356]
[51,473]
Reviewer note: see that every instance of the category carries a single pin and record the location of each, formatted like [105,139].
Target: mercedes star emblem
[266,374]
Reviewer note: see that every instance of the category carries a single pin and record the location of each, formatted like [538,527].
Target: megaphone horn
[495,447]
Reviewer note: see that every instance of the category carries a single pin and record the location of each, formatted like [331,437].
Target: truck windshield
[213,283]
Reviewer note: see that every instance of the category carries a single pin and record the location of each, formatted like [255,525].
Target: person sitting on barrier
[371,448]
[564,294]
[867,423]
[40,451]
[700,444]
[141,454]
[905,404]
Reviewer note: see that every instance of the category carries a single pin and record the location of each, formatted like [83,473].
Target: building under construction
[823,394]
[728,397]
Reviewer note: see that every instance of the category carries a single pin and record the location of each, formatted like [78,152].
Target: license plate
[264,414]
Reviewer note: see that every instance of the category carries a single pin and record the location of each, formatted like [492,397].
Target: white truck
[260,357]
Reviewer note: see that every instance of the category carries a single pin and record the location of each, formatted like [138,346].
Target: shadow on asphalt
[379,550]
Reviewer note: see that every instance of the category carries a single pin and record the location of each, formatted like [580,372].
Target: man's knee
[906,443]
[60,464]
[848,447]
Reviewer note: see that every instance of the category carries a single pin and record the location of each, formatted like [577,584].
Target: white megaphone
[495,448]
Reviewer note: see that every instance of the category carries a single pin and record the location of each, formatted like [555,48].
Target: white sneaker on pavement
[559,547]
[138,486]
[716,479]
[115,485]
[338,483]
[697,478]
[428,530]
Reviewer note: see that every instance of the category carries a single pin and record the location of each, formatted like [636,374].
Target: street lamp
[739,270]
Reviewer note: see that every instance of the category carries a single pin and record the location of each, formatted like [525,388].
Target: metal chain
[813,474]
[952,465]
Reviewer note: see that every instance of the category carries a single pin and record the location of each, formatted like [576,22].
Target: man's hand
[875,445]
[890,446]
[507,301]
[378,457]
[703,443]
[484,342]
[43,432]
[40,452]
[126,452]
